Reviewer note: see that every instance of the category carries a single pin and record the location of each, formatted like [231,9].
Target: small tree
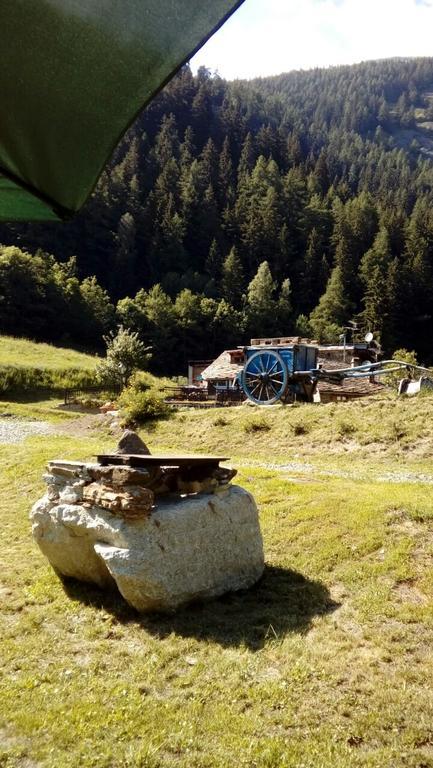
[403,356]
[125,355]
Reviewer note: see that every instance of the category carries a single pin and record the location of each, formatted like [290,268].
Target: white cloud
[271,36]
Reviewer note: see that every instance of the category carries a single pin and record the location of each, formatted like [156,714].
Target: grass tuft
[220,421]
[255,424]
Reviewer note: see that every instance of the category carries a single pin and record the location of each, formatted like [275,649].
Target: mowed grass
[23,352]
[326,663]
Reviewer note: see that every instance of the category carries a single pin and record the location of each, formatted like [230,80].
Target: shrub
[138,406]
[405,356]
[141,381]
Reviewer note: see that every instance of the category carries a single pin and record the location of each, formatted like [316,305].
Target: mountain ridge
[323,175]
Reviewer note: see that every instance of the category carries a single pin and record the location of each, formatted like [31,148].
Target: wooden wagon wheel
[264,378]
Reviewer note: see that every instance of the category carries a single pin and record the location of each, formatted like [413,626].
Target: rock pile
[120,490]
[127,492]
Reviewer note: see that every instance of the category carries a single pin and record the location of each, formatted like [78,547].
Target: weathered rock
[72,494]
[188,549]
[66,471]
[132,501]
[131,443]
[223,475]
[110,405]
[120,476]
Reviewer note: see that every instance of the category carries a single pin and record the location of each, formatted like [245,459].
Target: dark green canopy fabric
[73,76]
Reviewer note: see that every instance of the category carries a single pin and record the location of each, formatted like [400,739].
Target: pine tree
[209,164]
[225,172]
[187,151]
[122,274]
[261,304]
[232,279]
[214,261]
[315,273]
[332,310]
[247,158]
[167,141]
[284,316]
[374,272]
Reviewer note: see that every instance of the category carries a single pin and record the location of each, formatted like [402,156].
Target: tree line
[281,205]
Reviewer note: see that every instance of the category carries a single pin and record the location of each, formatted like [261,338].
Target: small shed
[195,370]
[224,370]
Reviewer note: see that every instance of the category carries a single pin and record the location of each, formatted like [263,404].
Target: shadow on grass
[31,396]
[283,601]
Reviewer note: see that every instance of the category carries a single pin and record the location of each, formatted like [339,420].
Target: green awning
[73,76]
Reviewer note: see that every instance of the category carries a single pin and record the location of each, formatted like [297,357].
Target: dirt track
[13,430]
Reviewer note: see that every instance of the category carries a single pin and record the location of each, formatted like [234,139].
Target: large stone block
[187,549]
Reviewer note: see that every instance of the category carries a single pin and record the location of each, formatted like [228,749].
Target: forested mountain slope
[285,203]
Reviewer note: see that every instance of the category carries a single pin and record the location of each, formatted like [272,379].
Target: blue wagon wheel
[264,378]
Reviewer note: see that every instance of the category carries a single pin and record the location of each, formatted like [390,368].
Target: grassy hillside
[23,352]
[370,430]
[27,366]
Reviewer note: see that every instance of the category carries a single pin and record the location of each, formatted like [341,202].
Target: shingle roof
[222,367]
[351,387]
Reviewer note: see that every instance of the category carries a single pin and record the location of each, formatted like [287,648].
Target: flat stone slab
[190,548]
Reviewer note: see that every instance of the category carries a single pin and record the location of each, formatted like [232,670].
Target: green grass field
[27,353]
[326,663]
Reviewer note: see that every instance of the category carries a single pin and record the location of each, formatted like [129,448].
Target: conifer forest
[280,205]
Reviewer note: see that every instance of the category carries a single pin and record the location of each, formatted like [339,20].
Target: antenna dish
[368,337]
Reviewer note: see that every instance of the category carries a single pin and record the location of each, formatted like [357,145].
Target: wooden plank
[140,460]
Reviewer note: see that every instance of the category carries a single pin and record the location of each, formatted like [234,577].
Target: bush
[141,381]
[138,406]
[405,356]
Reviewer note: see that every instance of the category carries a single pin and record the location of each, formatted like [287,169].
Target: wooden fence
[80,393]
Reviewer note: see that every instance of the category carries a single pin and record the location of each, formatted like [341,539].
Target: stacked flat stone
[124,491]
[120,490]
[66,480]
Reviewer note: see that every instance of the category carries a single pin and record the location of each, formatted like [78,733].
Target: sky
[266,37]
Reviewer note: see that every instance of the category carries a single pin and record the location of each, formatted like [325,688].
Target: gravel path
[13,430]
[301,468]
